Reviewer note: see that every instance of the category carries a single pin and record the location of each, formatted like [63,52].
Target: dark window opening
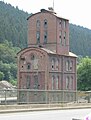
[60,36]
[60,39]
[45,23]
[45,37]
[28,66]
[52,66]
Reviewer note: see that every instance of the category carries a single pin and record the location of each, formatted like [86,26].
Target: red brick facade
[57,31]
[47,64]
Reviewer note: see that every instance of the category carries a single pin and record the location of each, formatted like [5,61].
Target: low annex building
[46,64]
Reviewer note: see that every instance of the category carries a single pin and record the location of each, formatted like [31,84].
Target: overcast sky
[77,11]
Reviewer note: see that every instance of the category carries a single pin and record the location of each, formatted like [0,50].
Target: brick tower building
[46,64]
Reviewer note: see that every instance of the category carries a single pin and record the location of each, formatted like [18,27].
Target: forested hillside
[80,40]
[13,25]
[13,28]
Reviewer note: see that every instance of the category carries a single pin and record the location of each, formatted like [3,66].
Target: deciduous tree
[84,74]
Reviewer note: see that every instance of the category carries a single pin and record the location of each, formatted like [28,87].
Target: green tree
[84,74]
[13,82]
[8,60]
[13,70]
[5,68]
[1,75]
[7,53]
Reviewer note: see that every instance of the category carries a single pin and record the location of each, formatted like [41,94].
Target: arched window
[53,82]
[60,37]
[38,36]
[64,38]
[60,23]
[38,23]
[45,23]
[28,81]
[71,83]
[57,64]
[35,81]
[34,61]
[64,24]
[57,82]
[45,36]
[67,83]
[67,65]
[53,64]
[28,66]
[71,65]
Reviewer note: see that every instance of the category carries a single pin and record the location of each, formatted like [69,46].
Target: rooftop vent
[51,9]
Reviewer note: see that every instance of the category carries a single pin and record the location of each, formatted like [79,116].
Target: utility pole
[53,4]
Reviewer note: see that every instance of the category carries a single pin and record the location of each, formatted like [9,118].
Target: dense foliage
[84,74]
[13,25]
[8,66]
[80,40]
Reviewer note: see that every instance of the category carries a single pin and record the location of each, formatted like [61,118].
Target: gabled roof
[47,11]
[37,48]
[45,50]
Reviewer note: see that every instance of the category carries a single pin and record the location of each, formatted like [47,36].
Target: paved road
[47,115]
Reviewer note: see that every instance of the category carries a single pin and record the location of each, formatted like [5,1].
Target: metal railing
[45,96]
[27,96]
[8,96]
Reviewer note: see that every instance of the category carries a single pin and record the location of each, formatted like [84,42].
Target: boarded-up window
[67,83]
[57,82]
[53,82]
[38,36]
[28,81]
[38,23]
[35,81]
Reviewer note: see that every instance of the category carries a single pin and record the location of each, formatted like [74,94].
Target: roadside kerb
[41,107]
